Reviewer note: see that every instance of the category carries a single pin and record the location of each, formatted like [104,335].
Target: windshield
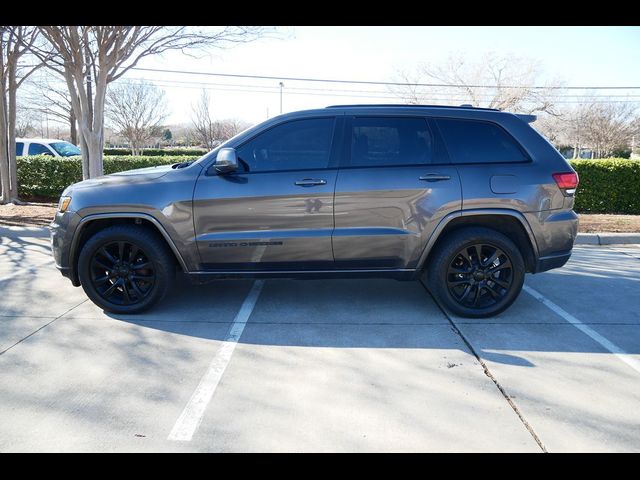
[65,149]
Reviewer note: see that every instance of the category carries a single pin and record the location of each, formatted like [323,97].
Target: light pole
[281,85]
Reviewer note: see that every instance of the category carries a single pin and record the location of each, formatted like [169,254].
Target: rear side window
[386,141]
[38,149]
[296,145]
[19,146]
[470,141]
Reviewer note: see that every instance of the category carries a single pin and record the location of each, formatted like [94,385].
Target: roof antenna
[467,105]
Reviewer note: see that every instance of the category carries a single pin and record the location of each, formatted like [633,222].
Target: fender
[469,213]
[99,216]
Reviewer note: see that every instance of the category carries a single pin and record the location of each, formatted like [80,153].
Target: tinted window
[297,145]
[19,146]
[38,149]
[378,141]
[469,141]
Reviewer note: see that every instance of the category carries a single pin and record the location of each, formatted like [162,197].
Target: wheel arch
[511,223]
[93,223]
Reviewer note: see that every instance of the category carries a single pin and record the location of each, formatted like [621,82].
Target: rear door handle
[434,177]
[310,182]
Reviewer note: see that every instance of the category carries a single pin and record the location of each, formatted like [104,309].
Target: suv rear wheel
[476,272]
[125,268]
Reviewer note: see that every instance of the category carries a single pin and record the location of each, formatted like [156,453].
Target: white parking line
[607,344]
[191,416]
[25,270]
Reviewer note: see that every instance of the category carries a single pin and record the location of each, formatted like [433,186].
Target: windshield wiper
[182,164]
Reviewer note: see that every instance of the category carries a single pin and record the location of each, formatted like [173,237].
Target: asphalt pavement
[320,365]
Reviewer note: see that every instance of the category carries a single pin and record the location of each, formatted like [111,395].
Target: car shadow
[359,314]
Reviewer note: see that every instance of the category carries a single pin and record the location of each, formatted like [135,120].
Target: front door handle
[310,182]
[434,177]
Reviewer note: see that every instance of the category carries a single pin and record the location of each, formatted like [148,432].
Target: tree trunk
[73,128]
[84,149]
[96,140]
[11,126]
[5,191]
[95,146]
[4,152]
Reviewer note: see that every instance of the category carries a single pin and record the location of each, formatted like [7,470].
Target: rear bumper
[555,232]
[552,261]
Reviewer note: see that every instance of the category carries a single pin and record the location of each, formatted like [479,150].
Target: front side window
[66,149]
[295,145]
[19,146]
[386,141]
[39,149]
[470,141]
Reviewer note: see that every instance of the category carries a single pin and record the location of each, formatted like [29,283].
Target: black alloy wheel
[121,273]
[479,275]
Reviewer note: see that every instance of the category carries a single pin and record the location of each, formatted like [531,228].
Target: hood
[139,175]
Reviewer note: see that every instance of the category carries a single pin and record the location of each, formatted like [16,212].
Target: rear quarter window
[472,141]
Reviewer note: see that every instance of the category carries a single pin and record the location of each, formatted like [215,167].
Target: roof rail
[464,106]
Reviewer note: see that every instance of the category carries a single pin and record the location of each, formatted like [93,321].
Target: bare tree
[503,82]
[25,122]
[91,57]
[207,131]
[596,124]
[553,127]
[53,99]
[609,126]
[231,127]
[204,128]
[15,41]
[135,110]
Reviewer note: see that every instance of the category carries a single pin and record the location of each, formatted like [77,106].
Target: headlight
[64,204]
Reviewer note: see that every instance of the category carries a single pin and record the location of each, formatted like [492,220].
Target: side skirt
[397,274]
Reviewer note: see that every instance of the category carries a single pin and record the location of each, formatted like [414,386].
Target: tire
[118,283]
[469,288]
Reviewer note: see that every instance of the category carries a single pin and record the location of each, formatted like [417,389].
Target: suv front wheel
[476,272]
[125,268]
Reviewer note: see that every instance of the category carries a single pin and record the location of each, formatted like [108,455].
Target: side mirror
[226,161]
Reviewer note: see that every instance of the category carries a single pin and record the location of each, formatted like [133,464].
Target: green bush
[46,176]
[157,152]
[609,185]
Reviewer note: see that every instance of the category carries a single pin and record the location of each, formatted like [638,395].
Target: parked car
[45,146]
[467,199]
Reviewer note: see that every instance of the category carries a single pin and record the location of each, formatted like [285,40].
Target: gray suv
[467,199]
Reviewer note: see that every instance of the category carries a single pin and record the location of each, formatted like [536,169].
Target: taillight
[567,182]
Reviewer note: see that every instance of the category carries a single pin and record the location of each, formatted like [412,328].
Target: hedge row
[611,185]
[156,152]
[45,176]
[606,186]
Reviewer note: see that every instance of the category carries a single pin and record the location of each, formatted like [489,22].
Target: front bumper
[61,235]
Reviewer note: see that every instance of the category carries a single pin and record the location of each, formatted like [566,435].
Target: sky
[588,56]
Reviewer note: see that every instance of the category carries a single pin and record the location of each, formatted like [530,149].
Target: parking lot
[320,365]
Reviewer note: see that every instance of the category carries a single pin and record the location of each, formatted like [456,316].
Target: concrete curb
[607,238]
